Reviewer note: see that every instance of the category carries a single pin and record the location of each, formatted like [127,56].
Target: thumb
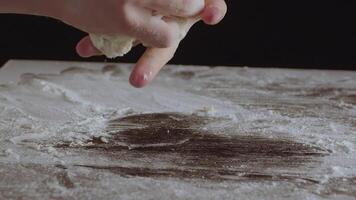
[85,48]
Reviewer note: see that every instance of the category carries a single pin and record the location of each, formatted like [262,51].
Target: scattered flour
[206,111]
[10,153]
[74,106]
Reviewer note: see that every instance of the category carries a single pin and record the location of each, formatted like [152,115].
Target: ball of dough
[112,46]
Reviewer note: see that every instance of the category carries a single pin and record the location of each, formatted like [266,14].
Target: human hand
[155,58]
[131,18]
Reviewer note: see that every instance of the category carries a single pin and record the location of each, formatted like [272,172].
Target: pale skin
[126,17]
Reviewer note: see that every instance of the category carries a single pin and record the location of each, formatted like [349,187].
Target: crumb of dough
[104,140]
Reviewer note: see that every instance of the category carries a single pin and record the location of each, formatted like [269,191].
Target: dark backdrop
[311,34]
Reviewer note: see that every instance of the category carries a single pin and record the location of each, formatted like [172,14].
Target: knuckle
[129,23]
[121,17]
[185,7]
[166,39]
[190,7]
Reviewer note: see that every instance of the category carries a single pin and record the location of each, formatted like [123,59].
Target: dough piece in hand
[112,46]
[115,46]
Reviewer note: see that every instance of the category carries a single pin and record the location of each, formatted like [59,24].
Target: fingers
[85,48]
[148,66]
[153,30]
[179,8]
[153,60]
[214,11]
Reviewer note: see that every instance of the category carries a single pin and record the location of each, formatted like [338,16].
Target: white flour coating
[119,45]
[58,108]
[44,110]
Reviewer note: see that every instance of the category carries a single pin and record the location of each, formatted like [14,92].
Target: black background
[310,34]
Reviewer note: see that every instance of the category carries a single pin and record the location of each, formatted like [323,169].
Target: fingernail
[84,52]
[139,81]
[212,15]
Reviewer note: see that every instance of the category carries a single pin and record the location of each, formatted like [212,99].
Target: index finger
[151,62]
[154,59]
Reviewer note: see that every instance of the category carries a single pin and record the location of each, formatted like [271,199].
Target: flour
[206,111]
[10,153]
[42,113]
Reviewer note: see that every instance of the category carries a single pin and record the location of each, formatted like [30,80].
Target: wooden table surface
[80,131]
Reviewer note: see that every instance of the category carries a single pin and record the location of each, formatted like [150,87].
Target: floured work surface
[195,133]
